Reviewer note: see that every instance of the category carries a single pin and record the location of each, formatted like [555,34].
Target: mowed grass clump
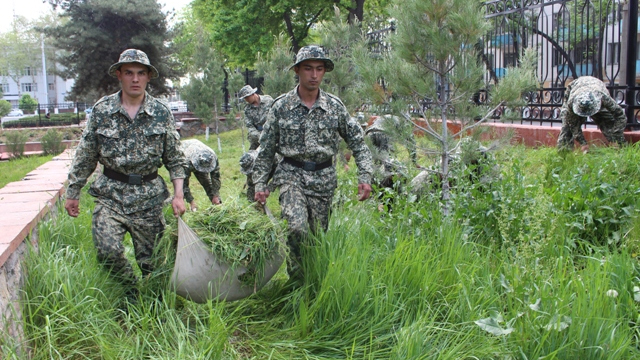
[239,235]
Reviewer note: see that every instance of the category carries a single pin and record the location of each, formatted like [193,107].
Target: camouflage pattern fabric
[303,134]
[254,119]
[210,180]
[313,52]
[109,227]
[246,167]
[302,213]
[133,56]
[130,146]
[609,117]
[378,134]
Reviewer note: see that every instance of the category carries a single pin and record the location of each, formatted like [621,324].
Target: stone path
[23,203]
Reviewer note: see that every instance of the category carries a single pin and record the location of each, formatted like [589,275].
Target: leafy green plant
[27,103]
[15,143]
[5,108]
[52,142]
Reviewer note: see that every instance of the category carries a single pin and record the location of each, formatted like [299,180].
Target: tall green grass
[16,169]
[509,275]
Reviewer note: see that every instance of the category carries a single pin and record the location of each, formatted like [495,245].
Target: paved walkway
[23,203]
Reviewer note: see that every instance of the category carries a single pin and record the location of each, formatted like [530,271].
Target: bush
[5,107]
[15,143]
[52,142]
[27,103]
[36,121]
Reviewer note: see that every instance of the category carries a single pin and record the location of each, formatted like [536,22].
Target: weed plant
[52,142]
[15,143]
[507,275]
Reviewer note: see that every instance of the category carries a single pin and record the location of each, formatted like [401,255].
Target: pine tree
[98,31]
[433,59]
[278,79]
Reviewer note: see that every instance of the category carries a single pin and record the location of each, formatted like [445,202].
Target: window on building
[5,88]
[29,87]
[52,86]
[613,54]
[579,54]
[510,59]
[29,71]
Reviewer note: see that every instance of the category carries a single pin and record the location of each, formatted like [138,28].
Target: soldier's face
[310,73]
[133,79]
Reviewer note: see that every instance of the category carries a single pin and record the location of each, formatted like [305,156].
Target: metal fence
[573,38]
[41,115]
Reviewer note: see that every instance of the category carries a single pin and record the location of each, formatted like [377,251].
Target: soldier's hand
[73,207]
[364,191]
[178,206]
[194,207]
[216,200]
[261,196]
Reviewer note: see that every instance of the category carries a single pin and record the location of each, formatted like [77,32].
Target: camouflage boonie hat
[313,52]
[203,161]
[587,103]
[246,162]
[133,56]
[246,91]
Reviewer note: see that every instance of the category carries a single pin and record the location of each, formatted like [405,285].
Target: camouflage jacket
[295,131]
[209,181]
[138,146]
[608,104]
[254,118]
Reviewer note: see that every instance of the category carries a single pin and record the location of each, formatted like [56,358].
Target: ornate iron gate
[573,38]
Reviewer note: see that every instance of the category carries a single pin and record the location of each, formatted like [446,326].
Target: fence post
[632,49]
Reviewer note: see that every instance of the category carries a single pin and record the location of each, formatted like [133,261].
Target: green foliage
[340,39]
[409,284]
[98,31]
[52,142]
[274,67]
[27,103]
[39,120]
[5,108]
[242,29]
[16,169]
[15,143]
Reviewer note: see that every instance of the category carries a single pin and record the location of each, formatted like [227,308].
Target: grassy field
[541,264]
[16,169]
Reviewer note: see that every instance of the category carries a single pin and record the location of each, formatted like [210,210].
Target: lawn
[16,169]
[541,264]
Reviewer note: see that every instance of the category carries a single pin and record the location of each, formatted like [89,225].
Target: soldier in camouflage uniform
[203,163]
[255,114]
[587,96]
[131,134]
[305,126]
[380,133]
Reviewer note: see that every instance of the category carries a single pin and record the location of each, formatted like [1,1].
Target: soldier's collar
[295,100]
[145,107]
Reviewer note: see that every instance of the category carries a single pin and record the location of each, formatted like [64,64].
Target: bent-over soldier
[588,97]
[203,163]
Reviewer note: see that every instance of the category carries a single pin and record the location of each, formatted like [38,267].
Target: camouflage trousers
[109,228]
[303,213]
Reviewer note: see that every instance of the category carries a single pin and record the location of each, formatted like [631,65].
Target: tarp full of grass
[226,252]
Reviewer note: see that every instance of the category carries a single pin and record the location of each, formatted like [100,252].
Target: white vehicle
[15,113]
[178,106]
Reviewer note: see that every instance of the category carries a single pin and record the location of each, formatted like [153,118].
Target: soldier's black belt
[259,127]
[132,179]
[308,165]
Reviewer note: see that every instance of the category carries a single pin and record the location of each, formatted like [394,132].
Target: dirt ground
[35,134]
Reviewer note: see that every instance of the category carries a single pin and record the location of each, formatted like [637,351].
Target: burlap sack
[199,276]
